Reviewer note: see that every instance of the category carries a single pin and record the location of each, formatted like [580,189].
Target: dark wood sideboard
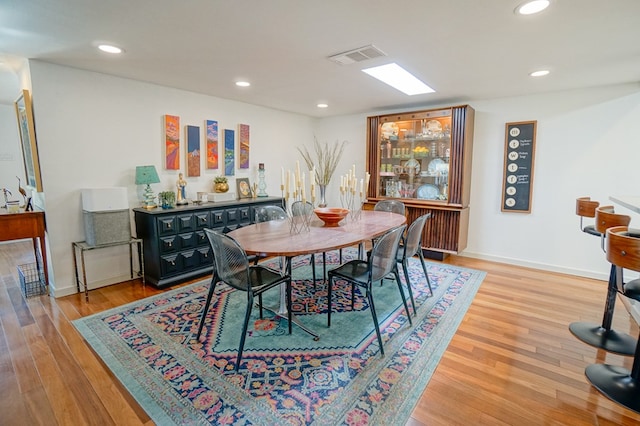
[175,246]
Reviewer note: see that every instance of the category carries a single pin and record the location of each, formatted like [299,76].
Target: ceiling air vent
[357,55]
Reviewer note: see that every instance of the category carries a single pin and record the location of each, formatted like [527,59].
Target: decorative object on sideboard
[244,188]
[146,175]
[220,184]
[262,185]
[327,159]
[167,199]
[181,184]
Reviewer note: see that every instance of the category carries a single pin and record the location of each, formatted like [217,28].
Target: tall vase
[322,202]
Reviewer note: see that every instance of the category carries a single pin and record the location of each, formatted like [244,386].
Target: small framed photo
[244,188]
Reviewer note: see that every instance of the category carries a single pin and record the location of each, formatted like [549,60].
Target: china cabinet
[423,158]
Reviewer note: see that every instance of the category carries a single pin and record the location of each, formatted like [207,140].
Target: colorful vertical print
[172,142]
[243,143]
[193,151]
[212,144]
[229,152]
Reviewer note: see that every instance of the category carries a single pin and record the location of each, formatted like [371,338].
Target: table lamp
[146,175]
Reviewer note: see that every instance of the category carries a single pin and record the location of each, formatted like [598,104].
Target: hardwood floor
[512,360]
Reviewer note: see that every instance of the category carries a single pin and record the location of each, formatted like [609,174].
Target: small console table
[82,246]
[16,226]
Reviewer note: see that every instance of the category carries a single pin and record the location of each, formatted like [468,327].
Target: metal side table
[82,246]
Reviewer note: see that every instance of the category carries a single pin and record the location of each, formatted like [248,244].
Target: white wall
[94,129]
[10,152]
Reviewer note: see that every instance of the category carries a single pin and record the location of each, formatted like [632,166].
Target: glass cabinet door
[414,155]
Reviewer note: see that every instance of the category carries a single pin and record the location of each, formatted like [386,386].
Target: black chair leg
[424,269]
[330,285]
[405,269]
[375,320]
[243,336]
[212,288]
[289,314]
[404,299]
[313,270]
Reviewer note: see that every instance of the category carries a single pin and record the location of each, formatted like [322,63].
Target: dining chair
[602,335]
[618,383]
[233,268]
[363,274]
[268,213]
[391,206]
[586,208]
[302,208]
[413,246]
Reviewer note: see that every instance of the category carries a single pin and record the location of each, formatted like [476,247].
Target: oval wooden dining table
[274,238]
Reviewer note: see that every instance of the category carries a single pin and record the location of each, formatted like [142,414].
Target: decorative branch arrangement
[327,159]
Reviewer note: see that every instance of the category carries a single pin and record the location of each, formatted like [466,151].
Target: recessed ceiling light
[243,84]
[109,48]
[399,78]
[531,7]
[322,106]
[539,73]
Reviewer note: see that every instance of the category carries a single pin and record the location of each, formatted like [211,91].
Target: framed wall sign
[26,125]
[519,154]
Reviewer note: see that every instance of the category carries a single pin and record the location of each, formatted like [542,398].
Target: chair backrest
[413,240]
[585,207]
[231,263]
[607,218]
[384,252]
[268,213]
[301,208]
[392,206]
[623,247]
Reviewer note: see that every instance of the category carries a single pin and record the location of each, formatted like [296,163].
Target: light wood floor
[512,360]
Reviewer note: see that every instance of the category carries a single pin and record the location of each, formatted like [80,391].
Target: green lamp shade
[146,175]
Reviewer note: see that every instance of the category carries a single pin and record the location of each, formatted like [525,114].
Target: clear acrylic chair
[232,267]
[413,246]
[393,206]
[268,213]
[363,274]
[301,208]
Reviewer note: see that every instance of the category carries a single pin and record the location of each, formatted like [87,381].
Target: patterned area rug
[292,379]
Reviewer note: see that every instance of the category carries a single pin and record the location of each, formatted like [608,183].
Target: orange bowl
[331,216]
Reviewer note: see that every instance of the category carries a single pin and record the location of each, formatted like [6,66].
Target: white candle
[361,185]
[297,171]
[287,182]
[282,176]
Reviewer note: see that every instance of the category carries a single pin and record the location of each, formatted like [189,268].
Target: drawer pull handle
[169,225]
[170,244]
[173,263]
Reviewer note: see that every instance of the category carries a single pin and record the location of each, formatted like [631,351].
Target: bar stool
[585,207]
[617,383]
[602,336]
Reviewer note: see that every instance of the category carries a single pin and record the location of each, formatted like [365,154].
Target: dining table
[279,238]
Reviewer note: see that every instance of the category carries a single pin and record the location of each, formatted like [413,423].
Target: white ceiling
[464,49]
